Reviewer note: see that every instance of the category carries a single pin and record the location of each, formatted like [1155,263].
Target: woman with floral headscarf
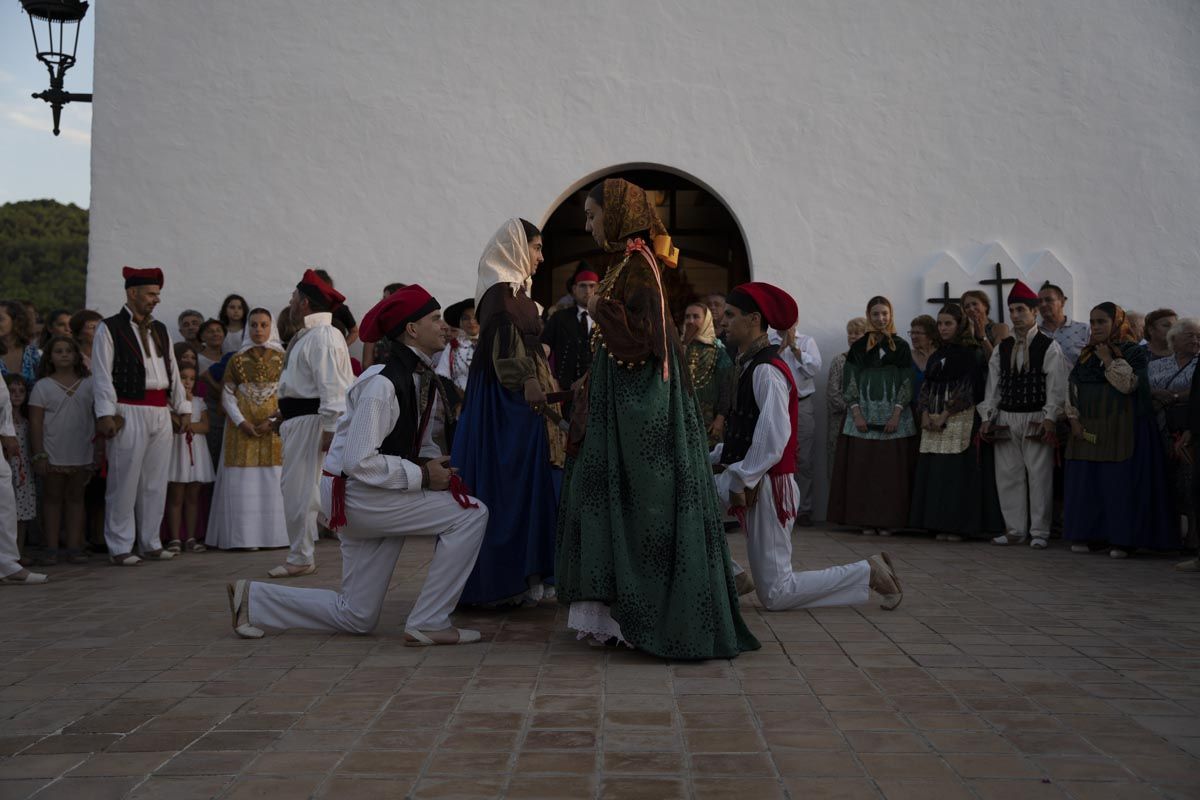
[507,443]
[1115,485]
[875,456]
[709,368]
[642,556]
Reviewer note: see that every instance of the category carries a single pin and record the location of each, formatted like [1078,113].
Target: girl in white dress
[60,434]
[191,467]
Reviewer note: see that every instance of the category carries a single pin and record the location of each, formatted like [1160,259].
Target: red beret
[389,316]
[585,276]
[1020,293]
[142,277]
[777,306]
[320,291]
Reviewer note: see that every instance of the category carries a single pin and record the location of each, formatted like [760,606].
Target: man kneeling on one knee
[756,458]
[385,479]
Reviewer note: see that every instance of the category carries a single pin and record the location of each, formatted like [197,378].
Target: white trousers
[779,587]
[9,555]
[300,482]
[378,520]
[806,453]
[136,492]
[1024,477]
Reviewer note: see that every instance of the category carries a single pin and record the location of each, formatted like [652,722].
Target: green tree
[43,253]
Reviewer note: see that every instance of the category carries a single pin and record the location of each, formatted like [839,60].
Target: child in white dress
[191,467]
[60,434]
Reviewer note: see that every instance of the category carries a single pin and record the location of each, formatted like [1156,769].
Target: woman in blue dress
[507,445]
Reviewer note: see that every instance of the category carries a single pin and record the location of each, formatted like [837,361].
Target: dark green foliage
[43,253]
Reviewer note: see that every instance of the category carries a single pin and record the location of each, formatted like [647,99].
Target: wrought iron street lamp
[57,21]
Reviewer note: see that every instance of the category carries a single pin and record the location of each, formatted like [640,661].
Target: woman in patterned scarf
[1115,484]
[642,557]
[709,368]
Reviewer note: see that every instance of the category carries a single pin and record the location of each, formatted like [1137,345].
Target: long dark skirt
[1121,503]
[872,482]
[957,494]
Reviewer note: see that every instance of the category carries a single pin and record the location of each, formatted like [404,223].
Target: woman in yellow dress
[247,508]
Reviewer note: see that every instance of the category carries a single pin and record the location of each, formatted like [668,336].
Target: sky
[35,163]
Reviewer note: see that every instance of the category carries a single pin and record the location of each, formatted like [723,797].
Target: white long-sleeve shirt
[156,372]
[318,365]
[805,367]
[771,434]
[372,411]
[1055,367]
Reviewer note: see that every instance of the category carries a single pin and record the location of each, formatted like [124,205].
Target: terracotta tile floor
[1005,674]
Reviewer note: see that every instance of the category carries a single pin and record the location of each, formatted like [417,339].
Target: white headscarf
[273,341]
[505,260]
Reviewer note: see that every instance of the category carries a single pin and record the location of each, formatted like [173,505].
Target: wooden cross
[999,282]
[945,298]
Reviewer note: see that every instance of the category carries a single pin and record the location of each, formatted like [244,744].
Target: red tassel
[191,455]
[460,492]
[337,504]
[785,500]
[739,513]
[103,456]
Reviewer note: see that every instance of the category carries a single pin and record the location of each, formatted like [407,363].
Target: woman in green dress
[641,553]
[873,466]
[709,367]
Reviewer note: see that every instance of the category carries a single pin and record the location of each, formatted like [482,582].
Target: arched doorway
[713,253]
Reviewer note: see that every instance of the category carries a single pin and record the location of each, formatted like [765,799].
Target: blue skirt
[1121,503]
[501,452]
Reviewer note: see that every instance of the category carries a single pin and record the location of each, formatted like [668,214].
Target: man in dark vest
[312,396]
[385,479]
[1026,391]
[755,462]
[568,333]
[137,388]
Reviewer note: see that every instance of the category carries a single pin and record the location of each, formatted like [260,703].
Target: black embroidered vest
[1024,392]
[129,367]
[743,417]
[403,441]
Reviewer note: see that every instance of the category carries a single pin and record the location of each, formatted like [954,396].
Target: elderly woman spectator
[1187,448]
[1158,324]
[835,401]
[1170,390]
[1115,481]
[977,309]
[923,334]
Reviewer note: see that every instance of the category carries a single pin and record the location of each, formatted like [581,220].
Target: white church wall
[236,143]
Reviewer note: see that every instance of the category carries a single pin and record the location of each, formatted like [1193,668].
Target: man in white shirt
[136,390]
[312,396]
[384,480]
[755,461]
[800,353]
[1026,390]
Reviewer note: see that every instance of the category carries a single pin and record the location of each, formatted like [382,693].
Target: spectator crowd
[129,440]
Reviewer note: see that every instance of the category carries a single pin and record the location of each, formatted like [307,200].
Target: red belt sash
[157,398]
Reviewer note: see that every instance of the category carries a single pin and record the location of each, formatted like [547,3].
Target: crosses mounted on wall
[999,282]
[946,297]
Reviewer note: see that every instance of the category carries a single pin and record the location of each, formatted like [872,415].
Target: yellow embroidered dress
[247,509]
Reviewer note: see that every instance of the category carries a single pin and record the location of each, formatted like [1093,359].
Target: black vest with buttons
[402,441]
[1024,392]
[129,366]
[743,417]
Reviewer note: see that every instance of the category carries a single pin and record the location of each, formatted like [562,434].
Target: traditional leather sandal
[415,638]
[891,600]
[282,571]
[238,595]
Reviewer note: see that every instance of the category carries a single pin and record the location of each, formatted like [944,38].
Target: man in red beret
[137,388]
[312,396]
[756,460]
[385,479]
[1026,392]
